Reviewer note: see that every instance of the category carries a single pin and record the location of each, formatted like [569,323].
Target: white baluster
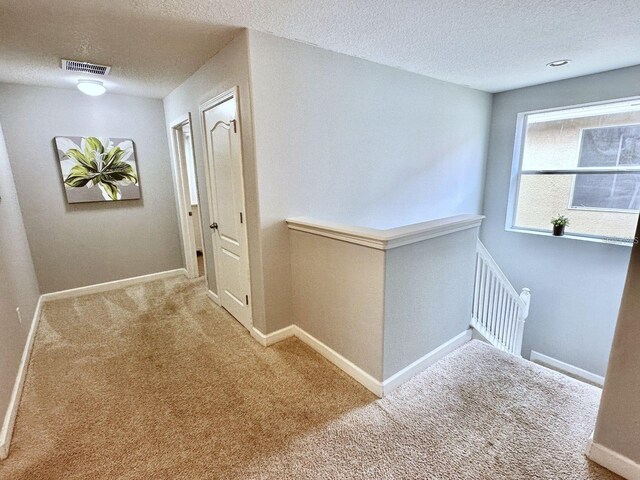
[498,313]
[479,315]
[498,310]
[492,302]
[503,322]
[512,323]
[513,320]
[476,289]
[485,294]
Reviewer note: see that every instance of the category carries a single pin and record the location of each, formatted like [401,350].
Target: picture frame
[98,169]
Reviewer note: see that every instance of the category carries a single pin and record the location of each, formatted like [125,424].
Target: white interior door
[226,193]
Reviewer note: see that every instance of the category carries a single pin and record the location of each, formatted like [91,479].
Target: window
[582,162]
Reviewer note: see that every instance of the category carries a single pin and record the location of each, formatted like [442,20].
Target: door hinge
[246,297]
[235,127]
[241,218]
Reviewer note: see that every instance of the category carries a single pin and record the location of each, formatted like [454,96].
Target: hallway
[154,381]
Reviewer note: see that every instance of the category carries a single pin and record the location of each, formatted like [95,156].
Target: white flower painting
[98,169]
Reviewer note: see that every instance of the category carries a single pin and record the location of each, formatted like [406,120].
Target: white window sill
[572,237]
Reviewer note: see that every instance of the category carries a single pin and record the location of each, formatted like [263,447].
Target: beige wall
[556,144]
[227,69]
[618,425]
[338,297]
[428,296]
[346,140]
[332,140]
[74,245]
[18,284]
[383,309]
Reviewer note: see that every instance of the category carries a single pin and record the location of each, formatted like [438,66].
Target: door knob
[213,226]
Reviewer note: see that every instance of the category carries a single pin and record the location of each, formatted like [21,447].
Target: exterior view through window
[581,162]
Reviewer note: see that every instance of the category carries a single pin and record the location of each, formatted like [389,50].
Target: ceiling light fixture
[91,87]
[558,63]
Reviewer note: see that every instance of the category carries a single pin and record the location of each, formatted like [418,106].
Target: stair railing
[499,311]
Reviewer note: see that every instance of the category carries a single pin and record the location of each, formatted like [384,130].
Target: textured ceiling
[153,45]
[150,54]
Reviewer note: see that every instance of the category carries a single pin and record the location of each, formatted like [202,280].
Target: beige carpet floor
[155,382]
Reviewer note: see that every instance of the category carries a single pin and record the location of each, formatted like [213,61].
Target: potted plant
[559,223]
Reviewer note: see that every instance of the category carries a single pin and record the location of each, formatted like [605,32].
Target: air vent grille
[85,67]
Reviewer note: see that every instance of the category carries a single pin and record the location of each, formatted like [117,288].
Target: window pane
[610,146]
[573,142]
[542,197]
[616,191]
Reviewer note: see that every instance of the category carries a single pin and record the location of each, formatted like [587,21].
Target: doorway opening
[188,199]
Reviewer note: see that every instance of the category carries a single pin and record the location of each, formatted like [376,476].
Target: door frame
[183,199]
[211,193]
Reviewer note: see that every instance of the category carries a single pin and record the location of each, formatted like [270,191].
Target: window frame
[517,172]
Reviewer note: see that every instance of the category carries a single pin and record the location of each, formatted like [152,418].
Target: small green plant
[560,221]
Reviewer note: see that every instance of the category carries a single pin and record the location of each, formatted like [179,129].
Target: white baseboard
[334,357]
[274,337]
[623,466]
[425,362]
[103,287]
[341,362]
[12,410]
[213,297]
[539,358]
[377,387]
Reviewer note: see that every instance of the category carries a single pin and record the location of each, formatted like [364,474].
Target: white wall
[18,284]
[227,69]
[576,286]
[83,244]
[342,139]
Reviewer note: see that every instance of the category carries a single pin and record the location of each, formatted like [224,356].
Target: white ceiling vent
[85,67]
